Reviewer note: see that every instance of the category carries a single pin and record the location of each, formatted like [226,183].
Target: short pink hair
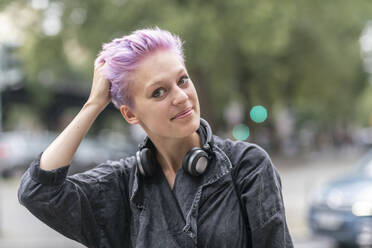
[122,56]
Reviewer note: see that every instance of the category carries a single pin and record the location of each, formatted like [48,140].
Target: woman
[183,188]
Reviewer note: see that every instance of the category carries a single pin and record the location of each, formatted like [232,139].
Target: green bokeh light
[258,114]
[240,132]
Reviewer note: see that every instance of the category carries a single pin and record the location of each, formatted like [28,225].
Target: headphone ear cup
[147,161]
[195,161]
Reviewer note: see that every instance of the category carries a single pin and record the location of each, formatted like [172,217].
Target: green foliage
[301,54]
[363,107]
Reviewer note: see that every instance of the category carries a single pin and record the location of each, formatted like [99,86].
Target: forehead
[160,65]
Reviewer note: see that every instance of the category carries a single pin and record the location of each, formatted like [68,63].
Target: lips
[181,113]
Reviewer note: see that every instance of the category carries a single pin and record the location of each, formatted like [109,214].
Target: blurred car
[363,137]
[18,149]
[93,151]
[342,208]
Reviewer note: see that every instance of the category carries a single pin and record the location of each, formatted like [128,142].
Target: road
[299,178]
[19,229]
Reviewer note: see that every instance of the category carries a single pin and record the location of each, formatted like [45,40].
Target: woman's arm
[74,205]
[61,151]
[84,206]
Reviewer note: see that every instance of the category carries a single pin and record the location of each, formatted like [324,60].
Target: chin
[194,124]
[188,128]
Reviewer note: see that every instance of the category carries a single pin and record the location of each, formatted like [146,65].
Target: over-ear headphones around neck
[195,161]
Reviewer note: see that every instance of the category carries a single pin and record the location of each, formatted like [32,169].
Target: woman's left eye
[158,93]
[183,80]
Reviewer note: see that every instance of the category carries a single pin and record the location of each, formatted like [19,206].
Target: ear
[129,114]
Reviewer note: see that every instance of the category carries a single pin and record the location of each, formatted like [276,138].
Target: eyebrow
[180,71]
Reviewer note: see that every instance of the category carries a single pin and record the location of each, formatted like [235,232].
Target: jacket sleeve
[75,205]
[260,189]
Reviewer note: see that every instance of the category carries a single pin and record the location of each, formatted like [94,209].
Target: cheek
[153,110]
[193,94]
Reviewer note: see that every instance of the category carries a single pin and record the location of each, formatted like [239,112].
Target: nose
[180,96]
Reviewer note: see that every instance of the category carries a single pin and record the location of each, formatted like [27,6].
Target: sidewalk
[20,229]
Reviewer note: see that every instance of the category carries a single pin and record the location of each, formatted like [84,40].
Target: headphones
[195,161]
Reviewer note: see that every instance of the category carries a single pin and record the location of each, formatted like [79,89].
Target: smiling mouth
[182,113]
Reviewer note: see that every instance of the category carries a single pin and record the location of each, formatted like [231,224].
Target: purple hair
[123,55]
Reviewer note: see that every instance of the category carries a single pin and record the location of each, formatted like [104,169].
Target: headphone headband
[195,161]
[209,142]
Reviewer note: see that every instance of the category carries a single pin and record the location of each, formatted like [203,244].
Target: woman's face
[165,100]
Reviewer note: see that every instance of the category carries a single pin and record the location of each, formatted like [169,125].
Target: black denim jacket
[113,206]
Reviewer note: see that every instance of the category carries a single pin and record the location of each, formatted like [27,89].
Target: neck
[170,152]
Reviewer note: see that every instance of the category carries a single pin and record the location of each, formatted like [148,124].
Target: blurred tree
[363,107]
[301,55]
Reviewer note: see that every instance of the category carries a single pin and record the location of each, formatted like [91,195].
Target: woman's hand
[100,91]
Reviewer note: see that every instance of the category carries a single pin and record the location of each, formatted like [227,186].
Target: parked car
[93,151]
[363,137]
[342,208]
[18,149]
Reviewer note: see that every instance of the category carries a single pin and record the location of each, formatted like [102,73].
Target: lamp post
[10,72]
[1,110]
[2,83]
[10,75]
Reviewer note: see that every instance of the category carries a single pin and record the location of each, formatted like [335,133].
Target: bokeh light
[240,132]
[258,114]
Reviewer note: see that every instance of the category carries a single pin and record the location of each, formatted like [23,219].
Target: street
[19,229]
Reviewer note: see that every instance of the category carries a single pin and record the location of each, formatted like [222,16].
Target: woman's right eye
[158,93]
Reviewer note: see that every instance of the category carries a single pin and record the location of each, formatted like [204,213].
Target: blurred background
[291,76]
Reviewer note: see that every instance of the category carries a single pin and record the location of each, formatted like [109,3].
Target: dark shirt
[113,206]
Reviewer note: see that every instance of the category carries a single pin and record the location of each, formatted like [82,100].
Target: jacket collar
[219,166]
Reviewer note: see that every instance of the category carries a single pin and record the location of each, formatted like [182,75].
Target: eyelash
[185,80]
